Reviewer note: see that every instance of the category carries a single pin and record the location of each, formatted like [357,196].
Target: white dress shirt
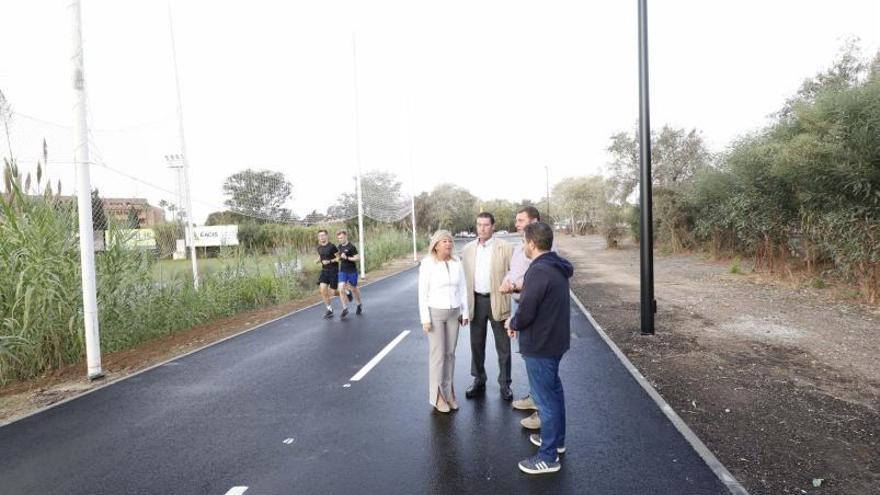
[442,286]
[483,267]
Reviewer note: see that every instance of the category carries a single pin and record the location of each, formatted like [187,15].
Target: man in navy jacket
[542,325]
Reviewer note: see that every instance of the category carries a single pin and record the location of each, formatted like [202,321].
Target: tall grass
[40,302]
[41,325]
[385,243]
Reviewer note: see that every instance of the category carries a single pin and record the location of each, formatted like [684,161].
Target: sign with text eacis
[216,235]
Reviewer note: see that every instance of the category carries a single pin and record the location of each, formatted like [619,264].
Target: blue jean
[546,388]
[514,305]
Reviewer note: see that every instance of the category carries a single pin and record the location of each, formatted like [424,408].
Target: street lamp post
[648,303]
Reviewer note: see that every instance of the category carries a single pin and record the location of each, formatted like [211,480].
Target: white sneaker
[525,404]
[532,422]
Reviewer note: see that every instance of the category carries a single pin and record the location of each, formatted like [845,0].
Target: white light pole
[190,224]
[175,162]
[84,203]
[357,157]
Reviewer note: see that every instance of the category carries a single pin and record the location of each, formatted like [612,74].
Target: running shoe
[535,465]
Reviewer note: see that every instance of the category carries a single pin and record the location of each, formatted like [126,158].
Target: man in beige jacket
[486,262]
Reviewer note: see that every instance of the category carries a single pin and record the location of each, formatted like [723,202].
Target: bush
[735,267]
[610,220]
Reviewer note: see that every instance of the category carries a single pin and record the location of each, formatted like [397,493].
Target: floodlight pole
[190,224]
[84,203]
[648,303]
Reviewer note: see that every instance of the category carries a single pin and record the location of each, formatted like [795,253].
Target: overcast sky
[484,94]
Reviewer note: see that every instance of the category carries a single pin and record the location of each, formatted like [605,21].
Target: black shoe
[506,394]
[359,311]
[476,389]
[328,315]
[344,313]
[349,296]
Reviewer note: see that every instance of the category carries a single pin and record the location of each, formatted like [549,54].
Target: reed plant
[41,323]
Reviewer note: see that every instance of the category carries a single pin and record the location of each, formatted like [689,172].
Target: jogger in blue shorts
[348,272]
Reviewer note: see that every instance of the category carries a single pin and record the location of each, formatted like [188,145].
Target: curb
[708,457]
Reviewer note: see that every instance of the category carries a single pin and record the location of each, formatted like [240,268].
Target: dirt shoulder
[781,382]
[23,398]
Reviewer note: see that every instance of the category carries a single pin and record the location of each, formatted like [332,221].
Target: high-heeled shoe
[442,406]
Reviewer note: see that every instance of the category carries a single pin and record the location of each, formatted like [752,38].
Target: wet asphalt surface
[219,418]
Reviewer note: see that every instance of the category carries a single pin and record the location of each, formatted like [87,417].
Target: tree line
[803,192]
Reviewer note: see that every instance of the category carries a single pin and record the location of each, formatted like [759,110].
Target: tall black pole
[649,305]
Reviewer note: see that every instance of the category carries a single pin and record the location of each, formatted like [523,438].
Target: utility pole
[84,202]
[190,224]
[357,158]
[648,304]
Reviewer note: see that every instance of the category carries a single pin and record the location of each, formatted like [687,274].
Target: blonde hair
[436,238]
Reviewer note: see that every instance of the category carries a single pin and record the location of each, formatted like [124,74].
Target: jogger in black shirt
[348,272]
[329,278]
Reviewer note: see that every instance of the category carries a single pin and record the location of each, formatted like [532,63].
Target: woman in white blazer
[443,308]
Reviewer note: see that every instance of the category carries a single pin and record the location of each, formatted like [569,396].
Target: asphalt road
[275,410]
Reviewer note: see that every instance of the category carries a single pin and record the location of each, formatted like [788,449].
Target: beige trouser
[442,340]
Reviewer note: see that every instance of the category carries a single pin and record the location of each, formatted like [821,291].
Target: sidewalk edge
[708,457]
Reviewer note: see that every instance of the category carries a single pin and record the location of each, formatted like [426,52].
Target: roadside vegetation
[800,196]
[142,295]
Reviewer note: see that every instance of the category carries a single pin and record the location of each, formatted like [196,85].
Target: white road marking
[373,362]
[237,490]
[288,441]
[347,385]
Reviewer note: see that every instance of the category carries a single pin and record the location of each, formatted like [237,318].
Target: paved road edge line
[702,450]
[181,356]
